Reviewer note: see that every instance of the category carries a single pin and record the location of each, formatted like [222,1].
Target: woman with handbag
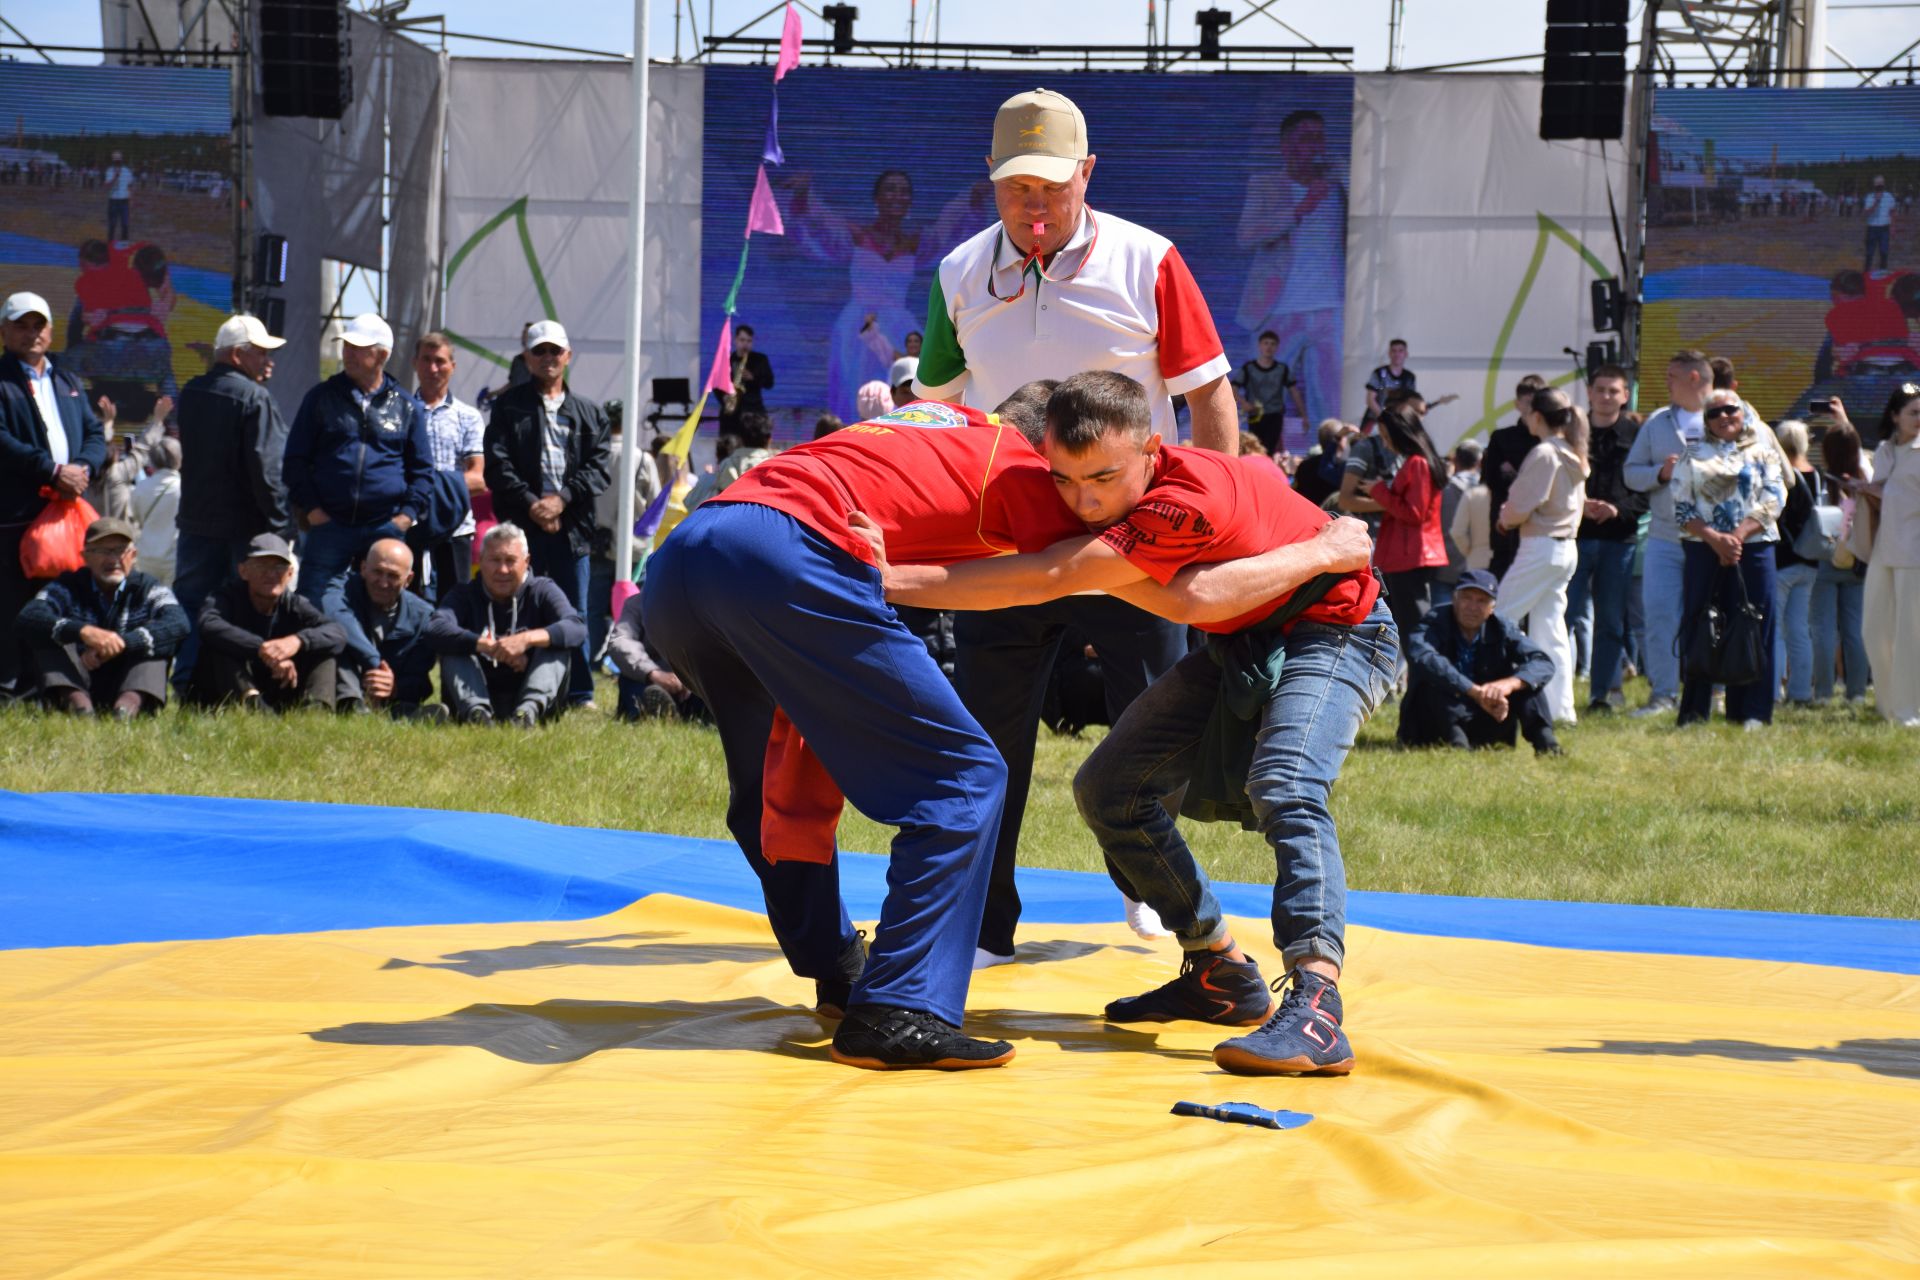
[1796,566]
[1728,493]
[1839,590]
[1545,504]
[1893,566]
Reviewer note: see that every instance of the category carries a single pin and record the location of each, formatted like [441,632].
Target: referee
[1052,289]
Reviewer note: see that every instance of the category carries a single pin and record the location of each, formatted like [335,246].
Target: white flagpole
[629,461]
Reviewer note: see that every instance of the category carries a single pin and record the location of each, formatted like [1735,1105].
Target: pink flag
[763,214]
[721,378]
[789,44]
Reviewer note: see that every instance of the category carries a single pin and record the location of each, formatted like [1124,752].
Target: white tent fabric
[536,217]
[1472,239]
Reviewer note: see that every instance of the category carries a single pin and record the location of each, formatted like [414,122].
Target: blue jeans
[202,566]
[1662,591]
[552,557]
[753,609]
[1704,581]
[1880,239]
[1602,579]
[1835,620]
[327,556]
[1792,636]
[1332,680]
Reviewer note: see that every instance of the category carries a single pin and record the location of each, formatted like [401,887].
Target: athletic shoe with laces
[830,995]
[1302,1038]
[880,1037]
[1209,988]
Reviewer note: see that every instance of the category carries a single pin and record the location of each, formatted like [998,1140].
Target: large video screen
[893,167]
[1781,234]
[116,206]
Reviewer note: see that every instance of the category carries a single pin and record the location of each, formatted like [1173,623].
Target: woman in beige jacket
[1545,505]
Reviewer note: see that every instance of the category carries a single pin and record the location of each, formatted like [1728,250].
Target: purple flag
[764,214]
[770,149]
[789,44]
[721,377]
[648,522]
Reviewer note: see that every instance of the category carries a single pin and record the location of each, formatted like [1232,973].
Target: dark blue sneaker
[1210,988]
[879,1037]
[1302,1038]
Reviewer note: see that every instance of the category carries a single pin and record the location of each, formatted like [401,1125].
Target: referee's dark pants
[1001,669]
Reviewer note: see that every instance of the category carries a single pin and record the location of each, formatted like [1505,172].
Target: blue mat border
[91,870]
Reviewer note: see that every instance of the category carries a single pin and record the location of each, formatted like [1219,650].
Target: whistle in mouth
[1039,229]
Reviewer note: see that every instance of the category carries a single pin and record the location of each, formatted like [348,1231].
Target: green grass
[1818,814]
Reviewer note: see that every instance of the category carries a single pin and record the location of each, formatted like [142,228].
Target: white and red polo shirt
[1121,298]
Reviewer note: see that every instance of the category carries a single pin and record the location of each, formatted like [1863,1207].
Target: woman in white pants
[1545,504]
[1892,622]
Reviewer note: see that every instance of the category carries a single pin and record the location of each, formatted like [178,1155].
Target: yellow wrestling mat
[643,1094]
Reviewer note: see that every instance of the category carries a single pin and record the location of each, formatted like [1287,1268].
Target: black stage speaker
[304,67]
[1585,90]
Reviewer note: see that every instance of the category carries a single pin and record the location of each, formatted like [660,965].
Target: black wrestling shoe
[831,995]
[879,1037]
[1209,988]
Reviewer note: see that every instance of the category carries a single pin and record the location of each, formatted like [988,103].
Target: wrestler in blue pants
[755,610]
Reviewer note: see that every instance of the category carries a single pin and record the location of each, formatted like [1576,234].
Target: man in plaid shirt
[455,440]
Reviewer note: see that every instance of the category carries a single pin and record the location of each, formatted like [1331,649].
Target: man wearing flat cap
[50,438]
[102,635]
[1052,289]
[263,646]
[1472,680]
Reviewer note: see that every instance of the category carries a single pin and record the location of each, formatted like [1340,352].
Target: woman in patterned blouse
[1728,493]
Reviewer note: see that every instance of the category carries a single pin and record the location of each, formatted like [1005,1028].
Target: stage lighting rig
[841,16]
[1212,23]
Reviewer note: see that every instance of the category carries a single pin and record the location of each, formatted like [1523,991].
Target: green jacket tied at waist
[1250,663]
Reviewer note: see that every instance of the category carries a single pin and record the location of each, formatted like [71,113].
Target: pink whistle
[1039,229]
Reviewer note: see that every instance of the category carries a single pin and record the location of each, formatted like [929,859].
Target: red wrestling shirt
[1204,507]
[944,482]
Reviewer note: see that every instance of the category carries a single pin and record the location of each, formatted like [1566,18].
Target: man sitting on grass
[1473,680]
[103,634]
[262,645]
[648,687]
[388,664]
[1253,728]
[505,638]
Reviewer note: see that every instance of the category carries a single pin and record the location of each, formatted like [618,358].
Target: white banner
[537,223]
[1472,239]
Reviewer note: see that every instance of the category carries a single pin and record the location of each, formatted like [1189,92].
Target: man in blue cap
[1472,680]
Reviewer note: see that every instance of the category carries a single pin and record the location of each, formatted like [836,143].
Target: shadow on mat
[1060,949]
[561,1031]
[1073,1032]
[1898,1058]
[559,953]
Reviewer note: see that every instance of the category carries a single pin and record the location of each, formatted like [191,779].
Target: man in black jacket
[49,438]
[547,459]
[231,441]
[358,464]
[262,645]
[103,633]
[504,638]
[1472,679]
[388,664]
[1506,449]
[1608,529]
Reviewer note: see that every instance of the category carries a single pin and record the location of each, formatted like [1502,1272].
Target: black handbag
[1728,647]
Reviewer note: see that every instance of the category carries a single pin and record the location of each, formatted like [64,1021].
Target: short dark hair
[754,428]
[1026,409]
[724,444]
[1395,342]
[1722,373]
[1694,361]
[1297,118]
[95,252]
[1528,385]
[881,181]
[432,338]
[826,424]
[1085,407]
[1267,333]
[1608,371]
[744,328]
[1466,455]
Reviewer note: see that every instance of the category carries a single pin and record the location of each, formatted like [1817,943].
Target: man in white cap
[548,458]
[1053,289]
[49,438]
[358,464]
[231,441]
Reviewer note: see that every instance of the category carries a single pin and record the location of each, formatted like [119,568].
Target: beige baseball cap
[245,331]
[1039,134]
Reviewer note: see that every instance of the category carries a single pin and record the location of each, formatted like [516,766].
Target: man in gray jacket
[1664,439]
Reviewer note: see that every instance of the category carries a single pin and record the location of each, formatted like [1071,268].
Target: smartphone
[1819,406]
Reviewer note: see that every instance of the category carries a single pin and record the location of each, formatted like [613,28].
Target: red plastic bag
[53,542]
